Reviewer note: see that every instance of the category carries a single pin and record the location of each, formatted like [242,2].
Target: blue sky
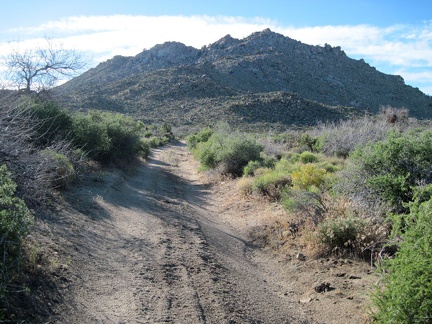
[394,36]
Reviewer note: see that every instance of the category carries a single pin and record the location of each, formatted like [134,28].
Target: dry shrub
[275,145]
[342,138]
[245,185]
[34,173]
[277,235]
[394,115]
[343,233]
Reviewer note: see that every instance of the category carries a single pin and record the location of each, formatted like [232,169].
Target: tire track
[151,251]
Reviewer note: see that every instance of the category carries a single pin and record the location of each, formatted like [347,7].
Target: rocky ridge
[263,80]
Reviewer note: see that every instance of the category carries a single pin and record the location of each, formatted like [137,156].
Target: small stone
[323,287]
[306,300]
[301,257]
[354,277]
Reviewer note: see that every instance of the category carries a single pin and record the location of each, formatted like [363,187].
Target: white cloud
[97,33]
[400,46]
[397,45]
[421,78]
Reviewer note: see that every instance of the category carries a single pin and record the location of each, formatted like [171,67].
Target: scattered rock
[306,300]
[354,277]
[323,287]
[301,257]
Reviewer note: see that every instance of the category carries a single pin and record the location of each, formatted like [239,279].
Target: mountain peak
[267,35]
[264,64]
[167,54]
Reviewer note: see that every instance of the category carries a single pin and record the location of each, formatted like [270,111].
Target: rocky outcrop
[173,75]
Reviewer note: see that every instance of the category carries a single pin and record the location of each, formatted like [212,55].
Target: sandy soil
[164,244]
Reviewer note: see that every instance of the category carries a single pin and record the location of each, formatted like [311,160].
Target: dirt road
[150,248]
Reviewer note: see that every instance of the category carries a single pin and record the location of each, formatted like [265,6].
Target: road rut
[149,248]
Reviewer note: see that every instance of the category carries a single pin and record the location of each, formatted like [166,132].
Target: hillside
[264,80]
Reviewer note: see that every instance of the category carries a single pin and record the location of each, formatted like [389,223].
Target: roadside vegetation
[359,188]
[44,149]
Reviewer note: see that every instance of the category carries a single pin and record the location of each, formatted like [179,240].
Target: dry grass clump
[337,232]
[245,186]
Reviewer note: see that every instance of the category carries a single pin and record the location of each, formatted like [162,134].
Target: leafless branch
[42,67]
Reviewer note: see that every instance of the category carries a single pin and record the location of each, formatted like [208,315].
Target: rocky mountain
[263,81]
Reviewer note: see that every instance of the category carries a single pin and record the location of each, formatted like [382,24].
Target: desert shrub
[15,220]
[90,134]
[341,234]
[308,175]
[148,134]
[293,157]
[29,169]
[199,137]
[245,186]
[394,115]
[308,157]
[107,137]
[61,168]
[262,170]
[291,139]
[154,141]
[390,169]
[250,168]
[342,138]
[405,295]
[264,162]
[145,148]
[307,202]
[166,130]
[230,152]
[330,166]
[51,122]
[309,142]
[285,166]
[125,134]
[271,183]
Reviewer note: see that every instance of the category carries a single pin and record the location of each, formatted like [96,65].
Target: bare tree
[40,68]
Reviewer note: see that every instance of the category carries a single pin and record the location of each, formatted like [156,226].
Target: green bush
[15,220]
[283,165]
[391,168]
[200,137]
[308,175]
[107,137]
[250,168]
[62,169]
[230,152]
[145,149]
[155,141]
[90,133]
[293,157]
[331,165]
[309,142]
[51,122]
[148,134]
[271,183]
[407,278]
[263,162]
[308,157]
